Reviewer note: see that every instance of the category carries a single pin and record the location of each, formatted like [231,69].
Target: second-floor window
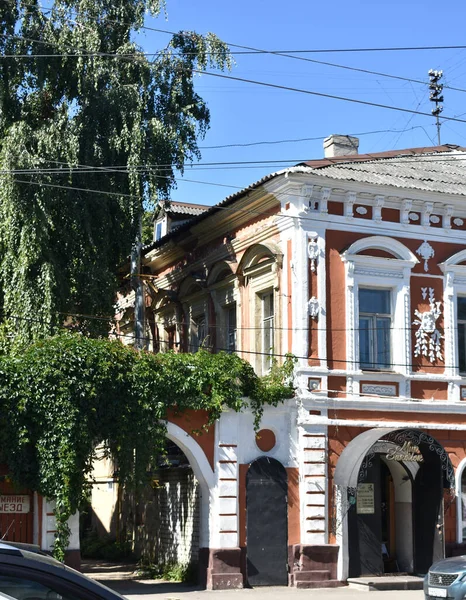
[461,316]
[267,329]
[199,333]
[375,323]
[230,311]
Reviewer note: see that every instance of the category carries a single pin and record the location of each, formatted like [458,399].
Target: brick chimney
[340,145]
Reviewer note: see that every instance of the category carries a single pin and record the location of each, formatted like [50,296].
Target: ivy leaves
[67,395]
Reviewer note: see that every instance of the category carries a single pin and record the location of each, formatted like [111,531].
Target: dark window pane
[462,308]
[383,357]
[364,342]
[461,347]
[231,333]
[374,301]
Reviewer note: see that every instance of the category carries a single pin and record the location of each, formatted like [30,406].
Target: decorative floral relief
[313,307]
[313,253]
[413,217]
[361,210]
[426,252]
[458,222]
[434,219]
[428,336]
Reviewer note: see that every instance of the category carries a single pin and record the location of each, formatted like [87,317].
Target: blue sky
[245,113]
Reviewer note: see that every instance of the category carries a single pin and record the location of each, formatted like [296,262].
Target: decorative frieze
[428,336]
[405,210]
[350,200]
[313,253]
[426,252]
[324,197]
[376,389]
[427,211]
[313,307]
[377,213]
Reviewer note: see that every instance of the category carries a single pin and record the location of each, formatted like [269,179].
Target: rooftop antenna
[436,96]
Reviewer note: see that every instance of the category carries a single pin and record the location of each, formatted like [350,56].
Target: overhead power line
[322,95]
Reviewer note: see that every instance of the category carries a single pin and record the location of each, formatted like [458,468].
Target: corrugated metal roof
[183,208]
[439,169]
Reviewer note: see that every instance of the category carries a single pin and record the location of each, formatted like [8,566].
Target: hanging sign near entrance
[15,504]
[365,504]
[407,453]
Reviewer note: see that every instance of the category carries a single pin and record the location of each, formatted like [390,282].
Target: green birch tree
[91,129]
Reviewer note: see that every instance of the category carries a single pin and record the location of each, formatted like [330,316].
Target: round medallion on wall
[265,440]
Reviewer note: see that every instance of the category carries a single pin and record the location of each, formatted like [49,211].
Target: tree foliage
[67,395]
[82,108]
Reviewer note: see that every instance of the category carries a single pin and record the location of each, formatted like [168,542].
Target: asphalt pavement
[150,590]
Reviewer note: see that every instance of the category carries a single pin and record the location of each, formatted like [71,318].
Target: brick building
[357,265]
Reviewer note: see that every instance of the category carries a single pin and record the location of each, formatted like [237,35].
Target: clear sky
[242,113]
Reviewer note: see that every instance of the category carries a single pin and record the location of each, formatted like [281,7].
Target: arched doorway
[267,522]
[391,492]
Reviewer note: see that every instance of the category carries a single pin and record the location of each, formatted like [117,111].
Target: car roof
[12,554]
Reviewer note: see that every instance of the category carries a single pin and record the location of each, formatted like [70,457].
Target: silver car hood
[455,564]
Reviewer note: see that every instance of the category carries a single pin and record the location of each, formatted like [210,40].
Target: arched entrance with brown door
[391,488]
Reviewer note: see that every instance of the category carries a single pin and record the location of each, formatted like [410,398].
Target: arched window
[461,502]
[378,271]
[260,272]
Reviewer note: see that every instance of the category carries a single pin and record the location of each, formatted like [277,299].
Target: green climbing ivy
[66,395]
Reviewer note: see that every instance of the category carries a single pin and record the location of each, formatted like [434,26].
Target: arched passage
[202,471]
[390,493]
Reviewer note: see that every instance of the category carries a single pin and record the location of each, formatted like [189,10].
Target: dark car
[29,574]
[446,579]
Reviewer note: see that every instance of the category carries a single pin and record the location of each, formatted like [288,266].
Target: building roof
[432,168]
[183,208]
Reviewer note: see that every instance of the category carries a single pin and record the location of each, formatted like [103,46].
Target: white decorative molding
[405,209]
[350,200]
[324,198]
[413,216]
[434,219]
[427,210]
[458,222]
[426,252]
[313,252]
[313,307]
[377,211]
[428,336]
[306,192]
[447,216]
[313,384]
[361,210]
[378,389]
[424,293]
[379,272]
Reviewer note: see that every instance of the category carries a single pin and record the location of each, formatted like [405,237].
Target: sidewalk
[123,578]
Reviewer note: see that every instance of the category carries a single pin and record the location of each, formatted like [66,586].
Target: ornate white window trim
[455,285]
[388,273]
